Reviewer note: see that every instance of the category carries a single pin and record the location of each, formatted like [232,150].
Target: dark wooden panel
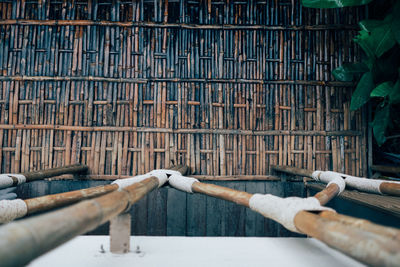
[176,212]
[254,222]
[196,215]
[387,204]
[233,216]
[170,212]
[215,207]
[139,213]
[157,212]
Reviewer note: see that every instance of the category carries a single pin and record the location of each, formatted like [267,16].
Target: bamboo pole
[15,179]
[143,24]
[328,193]
[385,187]
[49,202]
[377,247]
[43,174]
[176,131]
[24,240]
[389,169]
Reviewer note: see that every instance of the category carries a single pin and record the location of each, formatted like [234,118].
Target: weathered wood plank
[176,212]
[196,215]
[157,213]
[387,204]
[254,222]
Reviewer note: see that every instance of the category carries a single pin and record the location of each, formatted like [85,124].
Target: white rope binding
[330,178]
[182,183]
[160,174]
[6,180]
[12,209]
[283,210]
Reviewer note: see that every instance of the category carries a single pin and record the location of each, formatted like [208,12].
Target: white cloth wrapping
[7,181]
[181,182]
[284,210]
[330,178]
[359,183]
[12,209]
[161,174]
[363,184]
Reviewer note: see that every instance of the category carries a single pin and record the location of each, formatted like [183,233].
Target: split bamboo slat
[227,88]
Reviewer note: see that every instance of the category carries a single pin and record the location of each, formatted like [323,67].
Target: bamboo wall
[225,87]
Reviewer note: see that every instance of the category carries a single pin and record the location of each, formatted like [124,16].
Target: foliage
[333,3]
[377,76]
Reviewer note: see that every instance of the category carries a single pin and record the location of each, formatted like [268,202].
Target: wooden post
[120,233]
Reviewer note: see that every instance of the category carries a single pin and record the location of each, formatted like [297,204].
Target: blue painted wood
[214,208]
[254,222]
[273,228]
[157,212]
[196,215]
[167,211]
[176,212]
[233,216]
[139,213]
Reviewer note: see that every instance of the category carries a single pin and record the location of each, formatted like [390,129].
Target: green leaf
[380,123]
[376,36]
[396,22]
[363,40]
[333,3]
[361,94]
[394,96]
[347,71]
[385,68]
[382,90]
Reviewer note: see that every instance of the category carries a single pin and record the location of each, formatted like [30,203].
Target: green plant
[378,76]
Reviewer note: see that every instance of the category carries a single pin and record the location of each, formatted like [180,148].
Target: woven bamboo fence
[227,88]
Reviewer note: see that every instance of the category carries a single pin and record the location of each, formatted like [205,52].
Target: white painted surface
[196,251]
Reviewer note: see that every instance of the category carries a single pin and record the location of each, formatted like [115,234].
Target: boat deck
[196,251]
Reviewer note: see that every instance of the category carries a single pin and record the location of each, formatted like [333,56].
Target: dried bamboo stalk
[43,174]
[113,67]
[385,187]
[37,235]
[347,237]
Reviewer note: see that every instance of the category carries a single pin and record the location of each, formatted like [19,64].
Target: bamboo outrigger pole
[18,208]
[369,243]
[34,236]
[9,179]
[362,184]
[330,192]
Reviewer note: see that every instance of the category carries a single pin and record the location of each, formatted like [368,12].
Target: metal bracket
[120,233]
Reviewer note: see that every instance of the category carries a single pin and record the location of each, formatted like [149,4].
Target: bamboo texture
[367,242]
[40,234]
[227,88]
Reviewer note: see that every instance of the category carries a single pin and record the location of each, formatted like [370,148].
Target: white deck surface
[196,251]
